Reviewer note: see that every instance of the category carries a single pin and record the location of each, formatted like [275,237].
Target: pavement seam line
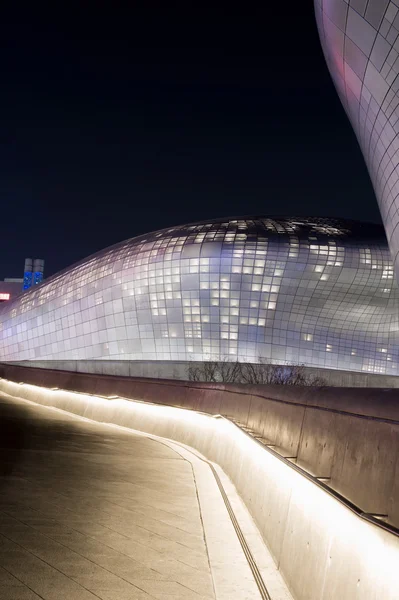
[202,522]
[241,538]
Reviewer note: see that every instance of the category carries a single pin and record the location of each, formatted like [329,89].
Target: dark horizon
[116,124]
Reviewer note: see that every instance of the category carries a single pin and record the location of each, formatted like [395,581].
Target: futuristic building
[360,40]
[312,291]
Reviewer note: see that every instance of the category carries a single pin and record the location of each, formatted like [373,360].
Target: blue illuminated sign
[37,277]
[27,280]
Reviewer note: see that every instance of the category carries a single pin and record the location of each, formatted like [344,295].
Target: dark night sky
[116,123]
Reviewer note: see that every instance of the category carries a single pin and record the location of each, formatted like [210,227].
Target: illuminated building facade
[360,40]
[317,292]
[10,288]
[33,272]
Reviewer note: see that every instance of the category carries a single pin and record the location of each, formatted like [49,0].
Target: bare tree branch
[226,371]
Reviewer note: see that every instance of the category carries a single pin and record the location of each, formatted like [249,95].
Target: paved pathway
[91,512]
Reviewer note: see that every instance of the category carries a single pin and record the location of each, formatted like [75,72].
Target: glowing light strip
[374,519]
[190,415]
[299,516]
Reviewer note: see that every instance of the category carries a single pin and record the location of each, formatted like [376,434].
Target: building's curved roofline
[353,225]
[355,229]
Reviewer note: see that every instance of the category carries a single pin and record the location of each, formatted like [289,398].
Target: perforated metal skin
[361,46]
[318,292]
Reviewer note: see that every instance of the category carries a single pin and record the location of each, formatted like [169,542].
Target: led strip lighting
[296,512]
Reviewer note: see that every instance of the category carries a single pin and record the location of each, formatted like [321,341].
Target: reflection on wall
[312,291]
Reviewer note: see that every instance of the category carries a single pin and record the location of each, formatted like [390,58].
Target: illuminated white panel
[317,292]
[360,44]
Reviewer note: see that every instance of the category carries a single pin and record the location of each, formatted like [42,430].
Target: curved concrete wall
[323,549]
[349,435]
[169,369]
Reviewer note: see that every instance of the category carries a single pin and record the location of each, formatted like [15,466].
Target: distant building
[33,272]
[13,286]
[10,288]
[28,274]
[38,269]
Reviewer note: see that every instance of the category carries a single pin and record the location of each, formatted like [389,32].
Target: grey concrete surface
[324,550]
[86,515]
[178,370]
[350,435]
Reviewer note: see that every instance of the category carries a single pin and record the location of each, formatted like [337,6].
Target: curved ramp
[323,545]
[89,510]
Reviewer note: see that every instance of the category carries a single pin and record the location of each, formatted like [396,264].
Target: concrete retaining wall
[168,369]
[350,435]
[323,549]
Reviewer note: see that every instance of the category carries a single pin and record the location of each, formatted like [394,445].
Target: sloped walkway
[91,512]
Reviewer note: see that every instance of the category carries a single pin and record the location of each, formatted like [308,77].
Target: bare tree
[264,373]
[206,371]
[226,371]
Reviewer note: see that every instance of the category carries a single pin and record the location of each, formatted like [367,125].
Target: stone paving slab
[87,513]
[90,510]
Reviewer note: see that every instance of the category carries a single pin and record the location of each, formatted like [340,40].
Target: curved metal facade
[360,39]
[311,291]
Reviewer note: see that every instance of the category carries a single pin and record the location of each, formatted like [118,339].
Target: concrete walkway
[90,512]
